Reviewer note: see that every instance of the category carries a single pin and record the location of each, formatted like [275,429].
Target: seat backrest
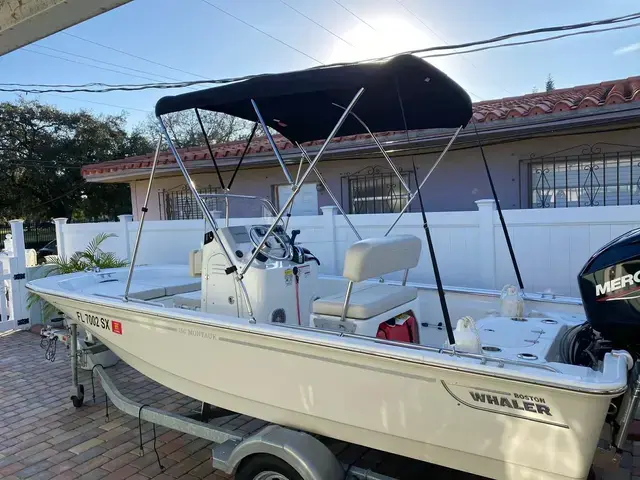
[195,263]
[374,257]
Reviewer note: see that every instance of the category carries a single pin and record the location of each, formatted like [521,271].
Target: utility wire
[107,63]
[540,40]
[354,15]
[424,24]
[317,24]
[131,55]
[135,87]
[253,27]
[28,49]
[97,103]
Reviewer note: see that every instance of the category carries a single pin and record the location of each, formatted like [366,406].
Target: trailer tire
[266,467]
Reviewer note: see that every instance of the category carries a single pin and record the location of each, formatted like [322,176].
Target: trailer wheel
[266,467]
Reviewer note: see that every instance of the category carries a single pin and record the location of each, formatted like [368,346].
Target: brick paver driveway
[42,436]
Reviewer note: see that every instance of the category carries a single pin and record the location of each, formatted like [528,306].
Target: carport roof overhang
[25,21]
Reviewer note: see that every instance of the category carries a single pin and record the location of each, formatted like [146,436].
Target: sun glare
[391,35]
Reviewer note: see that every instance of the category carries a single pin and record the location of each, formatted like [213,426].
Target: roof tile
[544,103]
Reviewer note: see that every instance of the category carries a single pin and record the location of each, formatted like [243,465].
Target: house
[573,147]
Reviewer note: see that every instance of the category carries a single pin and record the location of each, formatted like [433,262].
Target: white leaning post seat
[372,258]
[195,263]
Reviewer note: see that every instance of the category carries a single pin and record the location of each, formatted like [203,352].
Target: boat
[520,389]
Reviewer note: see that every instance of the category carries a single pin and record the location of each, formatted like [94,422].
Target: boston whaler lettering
[357,359]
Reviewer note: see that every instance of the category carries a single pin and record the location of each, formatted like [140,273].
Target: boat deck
[530,340]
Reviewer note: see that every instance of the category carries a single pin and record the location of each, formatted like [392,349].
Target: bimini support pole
[333,197]
[502,222]
[125,297]
[424,180]
[381,148]
[231,267]
[215,164]
[436,270]
[272,142]
[296,187]
[233,177]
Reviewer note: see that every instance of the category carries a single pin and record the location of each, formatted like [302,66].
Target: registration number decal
[100,322]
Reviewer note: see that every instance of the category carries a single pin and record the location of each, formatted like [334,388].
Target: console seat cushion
[367,300]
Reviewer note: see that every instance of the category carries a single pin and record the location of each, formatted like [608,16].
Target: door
[305,203]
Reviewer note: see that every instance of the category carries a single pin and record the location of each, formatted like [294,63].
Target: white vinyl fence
[14,314]
[551,245]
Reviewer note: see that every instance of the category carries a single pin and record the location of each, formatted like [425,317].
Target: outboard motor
[610,289]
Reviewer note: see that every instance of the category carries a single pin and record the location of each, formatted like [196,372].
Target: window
[180,204]
[589,179]
[305,203]
[374,190]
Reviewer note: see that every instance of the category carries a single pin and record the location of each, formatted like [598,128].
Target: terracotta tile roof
[564,100]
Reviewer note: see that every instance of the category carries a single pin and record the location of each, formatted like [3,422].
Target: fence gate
[7,321]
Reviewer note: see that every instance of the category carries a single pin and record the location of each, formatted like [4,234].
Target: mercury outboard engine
[610,289]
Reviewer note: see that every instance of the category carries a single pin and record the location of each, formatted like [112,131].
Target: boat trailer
[291,454]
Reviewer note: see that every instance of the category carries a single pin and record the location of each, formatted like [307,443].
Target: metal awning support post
[381,148]
[326,187]
[231,267]
[433,167]
[144,213]
[296,187]
[272,142]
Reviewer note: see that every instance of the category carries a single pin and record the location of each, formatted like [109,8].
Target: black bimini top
[404,92]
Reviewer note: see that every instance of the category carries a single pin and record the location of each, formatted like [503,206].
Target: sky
[194,40]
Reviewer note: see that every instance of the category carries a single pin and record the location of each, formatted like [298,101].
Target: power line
[414,15]
[354,15]
[135,87]
[253,27]
[540,40]
[106,63]
[131,54]
[97,103]
[28,49]
[424,24]
[317,24]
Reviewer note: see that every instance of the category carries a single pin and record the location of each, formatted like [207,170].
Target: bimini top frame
[401,94]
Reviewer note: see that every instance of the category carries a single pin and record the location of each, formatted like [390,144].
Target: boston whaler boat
[521,392]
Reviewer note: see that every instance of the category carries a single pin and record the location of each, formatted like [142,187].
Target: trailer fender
[307,455]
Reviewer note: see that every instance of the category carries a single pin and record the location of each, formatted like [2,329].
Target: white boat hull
[477,422]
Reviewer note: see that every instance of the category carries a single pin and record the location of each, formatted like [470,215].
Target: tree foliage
[185,130]
[550,85]
[42,150]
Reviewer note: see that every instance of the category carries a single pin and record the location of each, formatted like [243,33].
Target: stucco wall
[457,182]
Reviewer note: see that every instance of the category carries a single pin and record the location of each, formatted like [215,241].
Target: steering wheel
[256,233]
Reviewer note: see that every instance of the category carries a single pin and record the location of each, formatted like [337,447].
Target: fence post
[18,270]
[60,222]
[329,227]
[125,220]
[487,244]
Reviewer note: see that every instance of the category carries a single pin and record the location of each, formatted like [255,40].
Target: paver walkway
[42,436]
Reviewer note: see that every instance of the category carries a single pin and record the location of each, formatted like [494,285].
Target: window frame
[601,174]
[374,173]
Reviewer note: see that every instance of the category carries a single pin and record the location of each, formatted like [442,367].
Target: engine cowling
[610,289]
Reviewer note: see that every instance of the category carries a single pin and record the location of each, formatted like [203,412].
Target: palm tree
[91,257]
